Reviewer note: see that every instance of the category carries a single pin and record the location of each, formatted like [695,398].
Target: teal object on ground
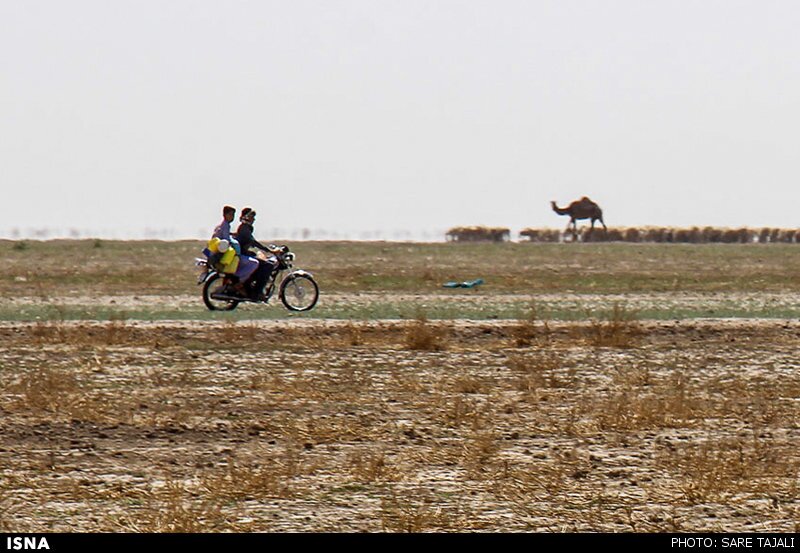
[465,284]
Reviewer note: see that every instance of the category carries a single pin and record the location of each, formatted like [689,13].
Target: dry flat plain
[583,387]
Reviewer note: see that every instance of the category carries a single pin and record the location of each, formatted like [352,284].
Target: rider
[223,230]
[244,234]
[247,264]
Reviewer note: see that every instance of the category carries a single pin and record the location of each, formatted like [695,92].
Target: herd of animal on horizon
[585,208]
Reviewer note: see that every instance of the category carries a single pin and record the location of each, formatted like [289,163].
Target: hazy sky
[364,115]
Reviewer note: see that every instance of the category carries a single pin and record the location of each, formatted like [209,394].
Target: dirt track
[591,301]
[333,425]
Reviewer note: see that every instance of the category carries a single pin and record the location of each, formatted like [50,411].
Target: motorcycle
[298,290]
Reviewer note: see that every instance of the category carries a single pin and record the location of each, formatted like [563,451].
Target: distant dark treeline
[693,235]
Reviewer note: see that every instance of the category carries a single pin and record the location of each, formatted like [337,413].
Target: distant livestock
[668,235]
[478,234]
[580,209]
[658,235]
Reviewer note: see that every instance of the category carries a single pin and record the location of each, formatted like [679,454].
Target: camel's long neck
[559,210]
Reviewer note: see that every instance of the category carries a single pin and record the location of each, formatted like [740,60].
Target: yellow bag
[226,262]
[213,245]
[229,261]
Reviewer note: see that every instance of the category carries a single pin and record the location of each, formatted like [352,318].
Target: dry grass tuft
[117,332]
[56,393]
[526,486]
[464,411]
[619,330]
[60,394]
[114,332]
[238,482]
[479,453]
[470,384]
[638,402]
[417,515]
[236,333]
[529,332]
[718,469]
[536,371]
[368,466]
[49,390]
[422,336]
[354,334]
[175,509]
[5,508]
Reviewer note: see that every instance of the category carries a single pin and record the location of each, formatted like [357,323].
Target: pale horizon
[378,118]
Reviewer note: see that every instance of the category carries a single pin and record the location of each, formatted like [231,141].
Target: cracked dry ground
[491,426]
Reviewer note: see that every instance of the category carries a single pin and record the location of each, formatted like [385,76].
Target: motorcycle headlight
[289,256]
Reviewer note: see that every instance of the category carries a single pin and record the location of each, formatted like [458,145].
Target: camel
[581,209]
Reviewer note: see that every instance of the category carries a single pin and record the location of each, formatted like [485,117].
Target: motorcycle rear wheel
[213,286]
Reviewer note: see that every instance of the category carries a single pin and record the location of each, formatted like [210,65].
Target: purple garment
[247,265]
[222,230]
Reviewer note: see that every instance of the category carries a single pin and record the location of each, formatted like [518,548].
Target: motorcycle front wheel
[299,292]
[211,289]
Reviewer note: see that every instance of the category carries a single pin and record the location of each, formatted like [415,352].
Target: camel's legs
[601,222]
[591,231]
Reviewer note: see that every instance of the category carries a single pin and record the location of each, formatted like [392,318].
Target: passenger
[223,230]
[247,264]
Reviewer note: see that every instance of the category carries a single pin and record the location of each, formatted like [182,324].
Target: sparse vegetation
[123,271]
[173,508]
[424,336]
[620,329]
[564,404]
[530,330]
[257,431]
